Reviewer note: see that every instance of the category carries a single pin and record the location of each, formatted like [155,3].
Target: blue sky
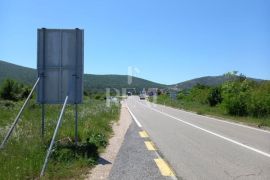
[169,41]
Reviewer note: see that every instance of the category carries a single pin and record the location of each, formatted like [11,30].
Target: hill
[97,82]
[91,82]
[101,82]
[207,80]
[19,73]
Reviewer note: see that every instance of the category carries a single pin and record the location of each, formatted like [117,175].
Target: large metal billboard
[60,65]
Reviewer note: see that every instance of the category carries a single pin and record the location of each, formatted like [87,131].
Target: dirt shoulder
[106,160]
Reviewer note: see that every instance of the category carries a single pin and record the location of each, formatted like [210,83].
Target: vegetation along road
[23,155]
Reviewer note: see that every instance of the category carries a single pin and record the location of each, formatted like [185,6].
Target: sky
[166,41]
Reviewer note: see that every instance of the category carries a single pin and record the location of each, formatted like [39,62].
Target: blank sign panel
[60,65]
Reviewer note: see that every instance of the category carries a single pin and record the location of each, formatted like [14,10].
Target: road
[134,161]
[199,147]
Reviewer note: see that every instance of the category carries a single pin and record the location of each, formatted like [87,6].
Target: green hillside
[207,80]
[91,82]
[96,82]
[19,73]
[101,82]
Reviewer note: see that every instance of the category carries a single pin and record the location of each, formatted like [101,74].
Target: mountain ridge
[96,82]
[91,81]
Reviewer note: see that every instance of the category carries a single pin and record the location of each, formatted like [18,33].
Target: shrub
[237,105]
[100,96]
[10,90]
[259,104]
[70,152]
[98,139]
[25,92]
[159,92]
[236,96]
[199,93]
[215,96]
[181,95]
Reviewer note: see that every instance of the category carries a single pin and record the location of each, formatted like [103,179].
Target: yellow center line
[150,146]
[164,167]
[143,134]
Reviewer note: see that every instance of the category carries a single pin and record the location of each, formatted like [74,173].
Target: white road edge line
[133,117]
[220,120]
[210,132]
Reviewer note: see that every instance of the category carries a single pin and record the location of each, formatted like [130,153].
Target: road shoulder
[106,160]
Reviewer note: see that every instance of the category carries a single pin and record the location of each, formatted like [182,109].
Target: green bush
[159,92]
[10,90]
[237,105]
[215,96]
[236,95]
[199,93]
[98,139]
[25,92]
[14,91]
[99,96]
[70,152]
[259,104]
[181,95]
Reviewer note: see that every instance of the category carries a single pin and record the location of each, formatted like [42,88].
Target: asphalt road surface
[199,147]
[134,161]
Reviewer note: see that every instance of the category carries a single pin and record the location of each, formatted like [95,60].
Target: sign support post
[42,120]
[76,123]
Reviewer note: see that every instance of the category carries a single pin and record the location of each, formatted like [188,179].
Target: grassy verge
[217,111]
[24,154]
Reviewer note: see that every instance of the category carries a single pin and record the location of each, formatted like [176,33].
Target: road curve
[199,147]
